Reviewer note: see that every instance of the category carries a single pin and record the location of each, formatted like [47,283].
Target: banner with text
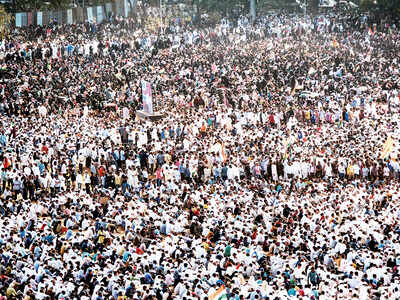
[147,97]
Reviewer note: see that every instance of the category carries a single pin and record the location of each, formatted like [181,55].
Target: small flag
[225,101]
[294,88]
[340,122]
[387,147]
[219,294]
[223,155]
[368,57]
[242,281]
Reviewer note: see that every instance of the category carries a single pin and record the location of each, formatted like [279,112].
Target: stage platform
[146,116]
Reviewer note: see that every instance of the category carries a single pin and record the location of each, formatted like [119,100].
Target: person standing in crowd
[273,171]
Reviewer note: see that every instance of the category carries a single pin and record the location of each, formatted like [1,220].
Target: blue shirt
[126,255]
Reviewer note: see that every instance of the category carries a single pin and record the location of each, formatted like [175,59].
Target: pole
[135,9]
[161,17]
[253,10]
[83,11]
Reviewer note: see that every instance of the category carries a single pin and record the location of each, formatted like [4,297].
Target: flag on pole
[219,294]
[387,147]
[368,56]
[242,281]
[294,88]
[223,155]
[340,121]
[213,68]
[147,97]
[311,71]
[225,101]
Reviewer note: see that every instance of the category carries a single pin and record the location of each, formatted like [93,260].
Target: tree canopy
[5,19]
[392,6]
[221,7]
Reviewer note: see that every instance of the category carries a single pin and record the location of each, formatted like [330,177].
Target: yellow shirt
[350,170]
[117,179]
[11,292]
[206,247]
[101,237]
[338,262]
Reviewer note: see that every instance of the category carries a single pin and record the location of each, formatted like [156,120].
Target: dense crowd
[270,176]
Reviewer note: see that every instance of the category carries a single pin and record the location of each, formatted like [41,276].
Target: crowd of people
[273,174]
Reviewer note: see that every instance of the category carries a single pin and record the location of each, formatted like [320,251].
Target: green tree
[222,7]
[5,20]
[59,4]
[32,5]
[276,4]
[382,5]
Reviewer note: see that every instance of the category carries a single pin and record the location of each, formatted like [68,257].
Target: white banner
[69,16]
[147,97]
[100,16]
[39,18]
[90,14]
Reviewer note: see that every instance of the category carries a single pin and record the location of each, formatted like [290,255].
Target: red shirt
[271,119]
[45,149]
[101,172]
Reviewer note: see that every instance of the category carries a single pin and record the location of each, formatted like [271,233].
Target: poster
[147,98]
[100,16]
[69,16]
[89,14]
[18,20]
[39,16]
